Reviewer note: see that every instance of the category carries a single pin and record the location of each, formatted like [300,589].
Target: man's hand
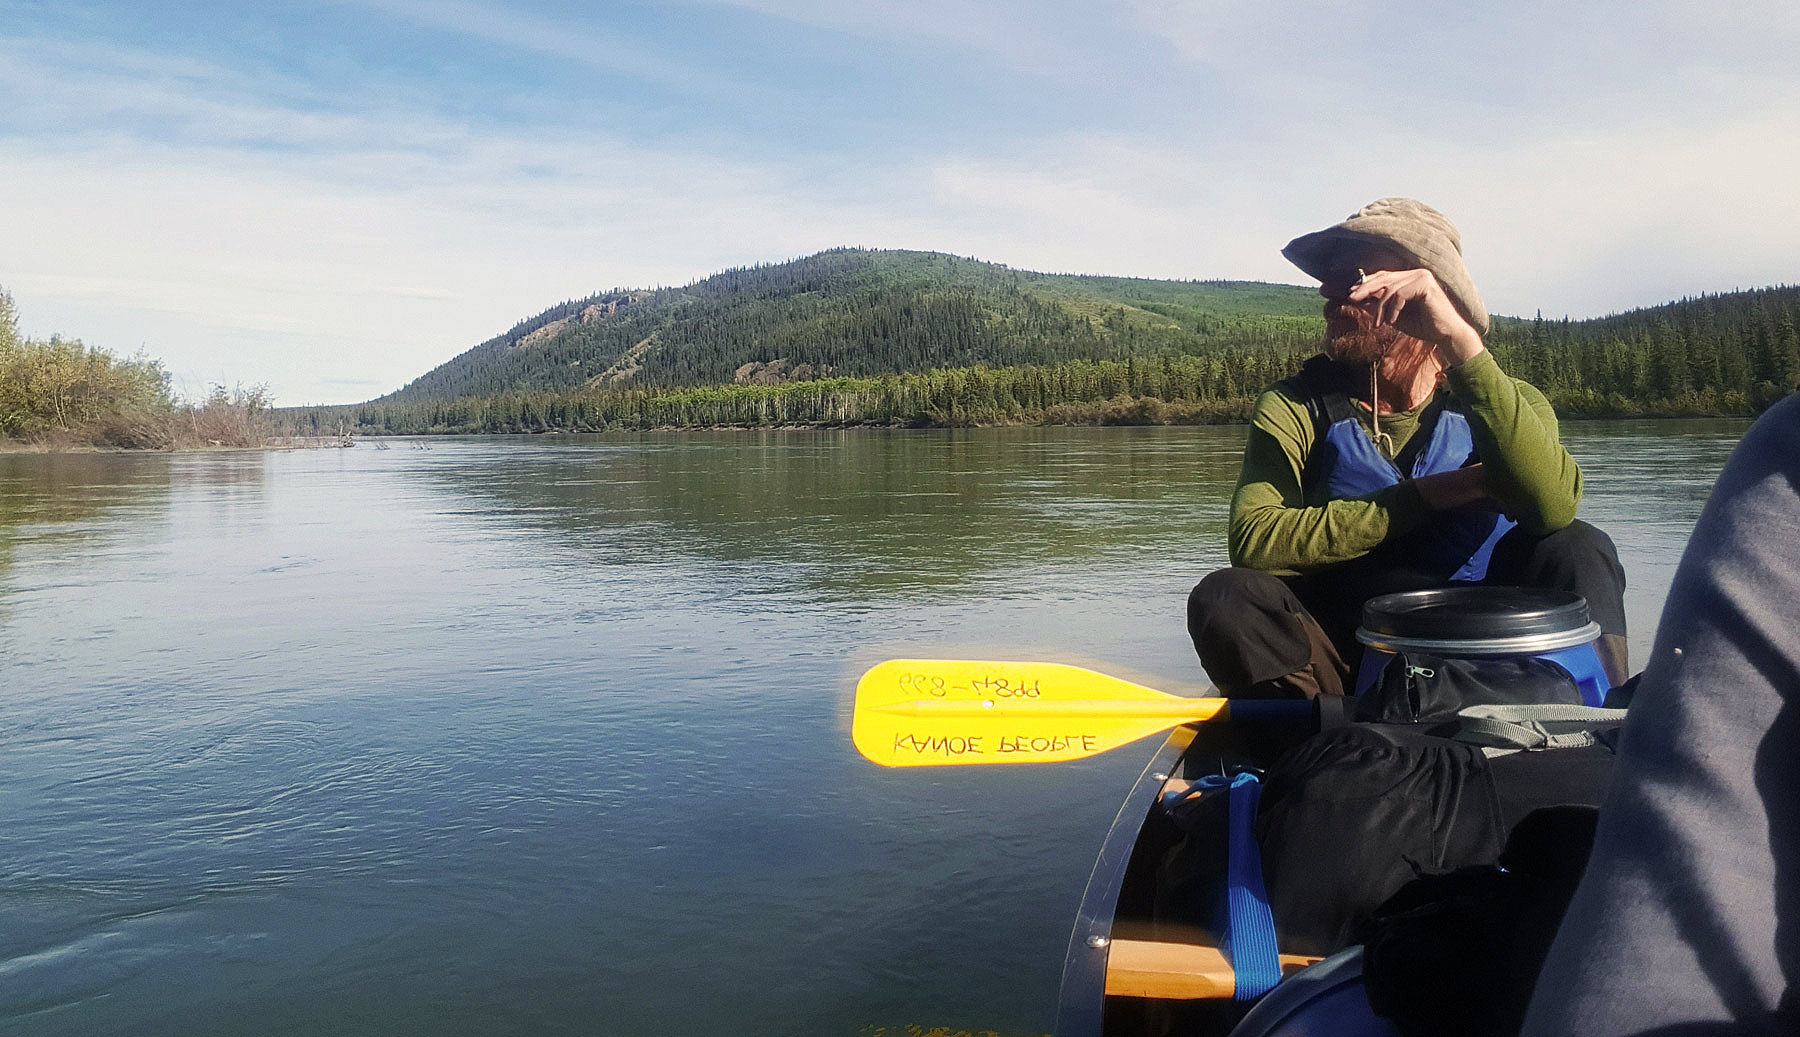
[1458,489]
[1414,302]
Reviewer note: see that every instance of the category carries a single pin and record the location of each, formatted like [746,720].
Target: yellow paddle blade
[926,712]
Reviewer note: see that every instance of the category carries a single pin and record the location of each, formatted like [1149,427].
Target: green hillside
[861,313]
[853,336]
[1734,353]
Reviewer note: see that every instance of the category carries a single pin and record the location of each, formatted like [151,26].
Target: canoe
[1126,973]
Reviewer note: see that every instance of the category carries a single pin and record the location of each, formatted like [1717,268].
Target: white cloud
[195,214]
[239,266]
[1493,67]
[1576,222]
[1593,224]
[248,228]
[225,263]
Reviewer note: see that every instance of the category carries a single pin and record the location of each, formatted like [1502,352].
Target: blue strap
[1249,942]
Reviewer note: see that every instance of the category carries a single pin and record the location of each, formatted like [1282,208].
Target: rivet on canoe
[1096,941]
[1159,777]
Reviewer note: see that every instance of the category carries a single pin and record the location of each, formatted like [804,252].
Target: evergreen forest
[892,338]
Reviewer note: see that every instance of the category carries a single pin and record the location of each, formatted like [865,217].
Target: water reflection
[58,496]
[866,513]
[38,490]
[847,516]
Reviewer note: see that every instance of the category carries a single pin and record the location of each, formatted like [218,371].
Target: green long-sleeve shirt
[1273,526]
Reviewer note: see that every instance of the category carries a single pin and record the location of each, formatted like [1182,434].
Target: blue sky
[334,197]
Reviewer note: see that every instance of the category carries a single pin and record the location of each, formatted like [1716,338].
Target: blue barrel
[1325,998]
[1475,620]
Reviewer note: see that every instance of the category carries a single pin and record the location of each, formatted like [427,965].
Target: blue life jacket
[1452,545]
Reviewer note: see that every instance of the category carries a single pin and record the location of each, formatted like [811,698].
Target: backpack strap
[1332,408]
[1327,386]
[1324,385]
[1508,729]
[1250,925]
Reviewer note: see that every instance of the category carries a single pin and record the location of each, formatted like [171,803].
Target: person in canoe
[1403,458]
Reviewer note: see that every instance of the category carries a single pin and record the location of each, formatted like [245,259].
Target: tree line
[1184,389]
[61,392]
[914,339]
[58,384]
[1735,353]
[1717,355]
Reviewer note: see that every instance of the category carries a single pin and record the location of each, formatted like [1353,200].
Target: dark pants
[1265,636]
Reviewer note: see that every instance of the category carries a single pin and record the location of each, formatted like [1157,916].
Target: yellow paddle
[925,712]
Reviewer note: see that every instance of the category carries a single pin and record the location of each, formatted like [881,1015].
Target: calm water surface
[552,734]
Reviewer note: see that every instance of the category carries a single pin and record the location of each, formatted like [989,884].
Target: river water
[551,734]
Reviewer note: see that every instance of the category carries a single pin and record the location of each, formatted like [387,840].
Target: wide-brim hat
[1412,228]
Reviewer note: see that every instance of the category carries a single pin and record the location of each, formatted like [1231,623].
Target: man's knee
[1228,598]
[1255,638]
[1520,557]
[1234,585]
[1579,543]
[1579,557]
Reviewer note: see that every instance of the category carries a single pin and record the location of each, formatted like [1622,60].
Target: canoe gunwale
[1081,1002]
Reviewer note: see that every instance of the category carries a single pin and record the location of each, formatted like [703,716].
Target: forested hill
[858,337]
[1732,353]
[862,313]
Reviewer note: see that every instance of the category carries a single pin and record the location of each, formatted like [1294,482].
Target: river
[551,734]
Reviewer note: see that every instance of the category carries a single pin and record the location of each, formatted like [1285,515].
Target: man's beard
[1353,336]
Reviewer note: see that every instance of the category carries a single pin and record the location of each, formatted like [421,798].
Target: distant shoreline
[283,443]
[15,446]
[872,427]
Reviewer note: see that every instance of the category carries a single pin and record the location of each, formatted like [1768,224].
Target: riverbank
[10,446]
[228,420]
[1117,412]
[1167,391]
[225,427]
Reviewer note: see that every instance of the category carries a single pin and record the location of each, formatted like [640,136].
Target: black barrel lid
[1475,612]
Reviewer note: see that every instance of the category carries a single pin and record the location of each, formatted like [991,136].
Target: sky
[332,198]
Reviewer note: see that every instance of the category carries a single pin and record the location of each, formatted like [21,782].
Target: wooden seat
[1177,971]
